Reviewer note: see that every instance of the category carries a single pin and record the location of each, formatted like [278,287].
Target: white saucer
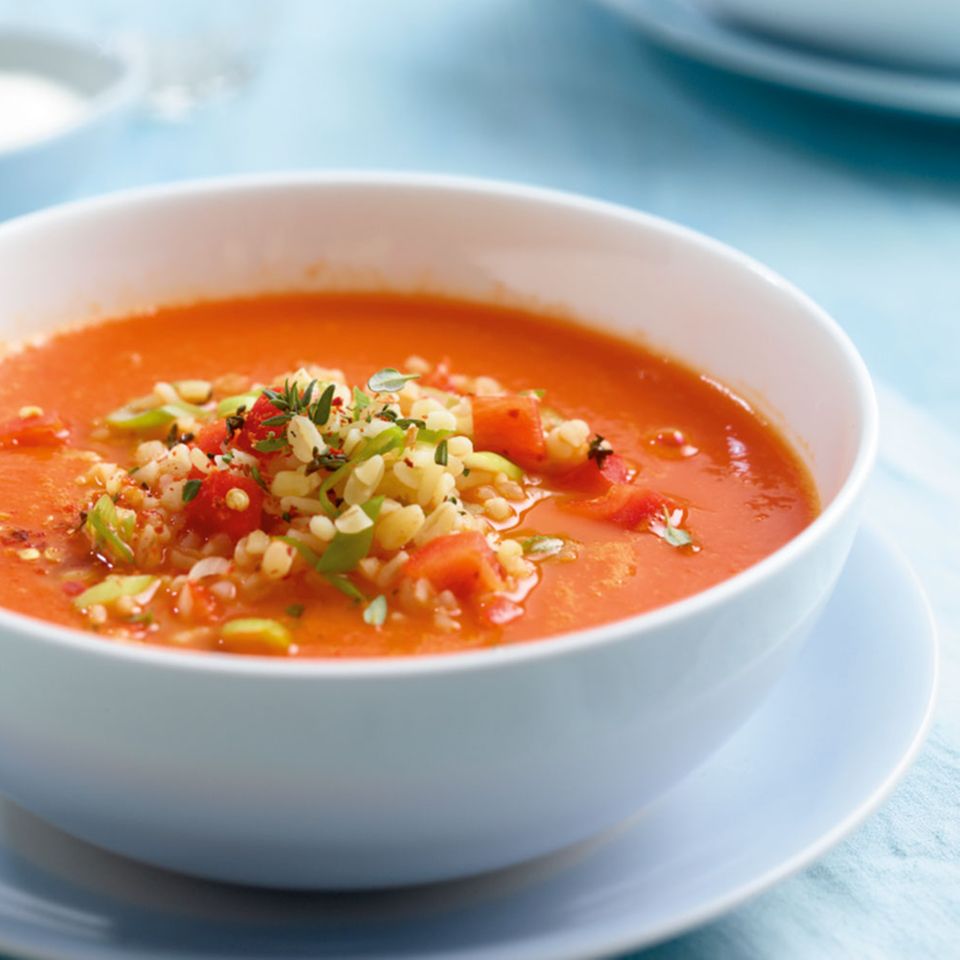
[823,752]
[682,27]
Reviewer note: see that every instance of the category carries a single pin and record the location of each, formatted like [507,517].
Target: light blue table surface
[860,209]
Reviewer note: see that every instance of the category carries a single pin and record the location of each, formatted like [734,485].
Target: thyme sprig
[599,450]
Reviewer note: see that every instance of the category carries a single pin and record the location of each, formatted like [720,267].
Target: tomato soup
[356,476]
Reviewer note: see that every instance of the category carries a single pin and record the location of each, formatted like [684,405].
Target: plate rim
[622,939]
[753,56]
[813,851]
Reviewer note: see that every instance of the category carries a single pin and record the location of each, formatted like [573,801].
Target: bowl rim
[550,647]
[123,89]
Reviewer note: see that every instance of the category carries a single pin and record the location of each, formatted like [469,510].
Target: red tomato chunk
[208,513]
[625,505]
[592,477]
[212,437]
[253,431]
[46,430]
[511,427]
[460,562]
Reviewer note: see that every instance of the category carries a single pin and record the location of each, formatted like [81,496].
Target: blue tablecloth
[860,209]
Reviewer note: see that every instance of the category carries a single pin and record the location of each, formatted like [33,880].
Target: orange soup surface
[357,476]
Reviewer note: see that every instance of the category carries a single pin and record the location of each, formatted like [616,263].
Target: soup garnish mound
[417,507]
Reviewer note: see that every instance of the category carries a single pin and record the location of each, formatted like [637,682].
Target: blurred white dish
[826,748]
[346,774]
[84,91]
[682,27]
[908,33]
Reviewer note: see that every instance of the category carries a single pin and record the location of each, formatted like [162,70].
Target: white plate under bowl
[684,28]
[830,743]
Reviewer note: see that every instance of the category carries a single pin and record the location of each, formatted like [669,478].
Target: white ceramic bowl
[43,170]
[368,773]
[914,34]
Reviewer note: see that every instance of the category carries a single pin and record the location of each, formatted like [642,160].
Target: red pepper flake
[336,402]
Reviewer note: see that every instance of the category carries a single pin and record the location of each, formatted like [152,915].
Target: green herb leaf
[542,546]
[271,444]
[440,457]
[375,612]
[666,531]
[320,413]
[599,450]
[277,420]
[258,478]
[295,610]
[190,489]
[360,401]
[389,380]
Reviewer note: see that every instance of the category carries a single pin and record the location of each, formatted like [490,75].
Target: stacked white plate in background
[881,53]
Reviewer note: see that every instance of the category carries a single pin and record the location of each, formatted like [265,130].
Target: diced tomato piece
[499,610]
[47,430]
[511,427]
[212,437]
[623,504]
[595,478]
[460,562]
[208,513]
[253,430]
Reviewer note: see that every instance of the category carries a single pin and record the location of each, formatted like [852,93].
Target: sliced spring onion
[230,405]
[259,629]
[345,585]
[432,436]
[345,550]
[200,389]
[139,421]
[392,438]
[112,589]
[341,473]
[493,463]
[376,611]
[108,531]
